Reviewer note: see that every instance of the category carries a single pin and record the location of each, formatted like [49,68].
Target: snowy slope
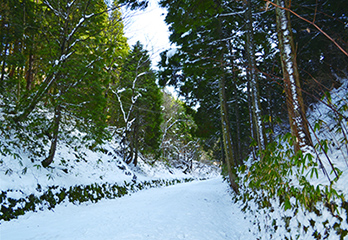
[197,210]
[81,166]
[270,218]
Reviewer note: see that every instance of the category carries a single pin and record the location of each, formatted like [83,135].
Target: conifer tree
[203,66]
[140,106]
[257,123]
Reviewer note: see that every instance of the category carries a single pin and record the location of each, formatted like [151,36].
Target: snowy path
[196,210]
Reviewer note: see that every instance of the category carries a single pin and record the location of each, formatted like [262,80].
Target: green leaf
[287,204]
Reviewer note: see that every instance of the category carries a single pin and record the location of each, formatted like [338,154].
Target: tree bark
[56,123]
[225,124]
[136,139]
[4,63]
[30,73]
[253,79]
[238,148]
[292,88]
[226,135]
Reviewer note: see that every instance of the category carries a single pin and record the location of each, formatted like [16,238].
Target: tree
[57,65]
[202,66]
[76,83]
[140,104]
[179,145]
[257,128]
[19,40]
[292,88]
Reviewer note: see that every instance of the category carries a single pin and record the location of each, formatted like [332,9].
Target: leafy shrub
[280,188]
[12,208]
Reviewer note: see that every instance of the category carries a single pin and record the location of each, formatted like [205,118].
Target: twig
[312,23]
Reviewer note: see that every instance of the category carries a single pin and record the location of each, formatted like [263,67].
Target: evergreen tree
[58,68]
[140,106]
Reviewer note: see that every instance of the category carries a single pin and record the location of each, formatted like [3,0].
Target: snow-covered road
[196,210]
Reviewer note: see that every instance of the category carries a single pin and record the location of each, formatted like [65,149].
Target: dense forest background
[237,41]
[66,69]
[248,72]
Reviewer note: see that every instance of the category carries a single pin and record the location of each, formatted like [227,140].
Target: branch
[312,23]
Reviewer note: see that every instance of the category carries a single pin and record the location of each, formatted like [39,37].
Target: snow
[171,52]
[197,210]
[83,167]
[295,223]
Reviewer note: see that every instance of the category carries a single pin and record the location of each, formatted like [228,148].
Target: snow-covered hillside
[81,171]
[299,197]
[197,210]
[84,167]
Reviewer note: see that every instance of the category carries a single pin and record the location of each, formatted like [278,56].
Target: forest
[248,74]
[66,67]
[254,70]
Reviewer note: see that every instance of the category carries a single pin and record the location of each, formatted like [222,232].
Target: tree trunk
[292,88]
[226,135]
[30,73]
[253,79]
[225,124]
[239,159]
[270,114]
[251,119]
[4,63]
[136,139]
[56,122]
[238,148]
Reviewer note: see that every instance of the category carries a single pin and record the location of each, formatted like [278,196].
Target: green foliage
[139,104]
[283,174]
[180,144]
[285,178]
[57,55]
[54,195]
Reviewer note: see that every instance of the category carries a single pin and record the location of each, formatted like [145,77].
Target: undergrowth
[11,207]
[302,195]
[291,195]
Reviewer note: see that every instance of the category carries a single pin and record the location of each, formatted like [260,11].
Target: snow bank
[78,173]
[309,215]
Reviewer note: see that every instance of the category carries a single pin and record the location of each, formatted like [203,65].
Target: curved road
[197,211]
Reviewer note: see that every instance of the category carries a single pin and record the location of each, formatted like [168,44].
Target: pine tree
[140,106]
[200,66]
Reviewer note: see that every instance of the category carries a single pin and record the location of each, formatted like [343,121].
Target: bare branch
[312,23]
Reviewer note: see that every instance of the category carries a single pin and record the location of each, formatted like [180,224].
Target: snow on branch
[230,14]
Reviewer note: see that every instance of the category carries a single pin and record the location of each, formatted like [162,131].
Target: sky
[148,27]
